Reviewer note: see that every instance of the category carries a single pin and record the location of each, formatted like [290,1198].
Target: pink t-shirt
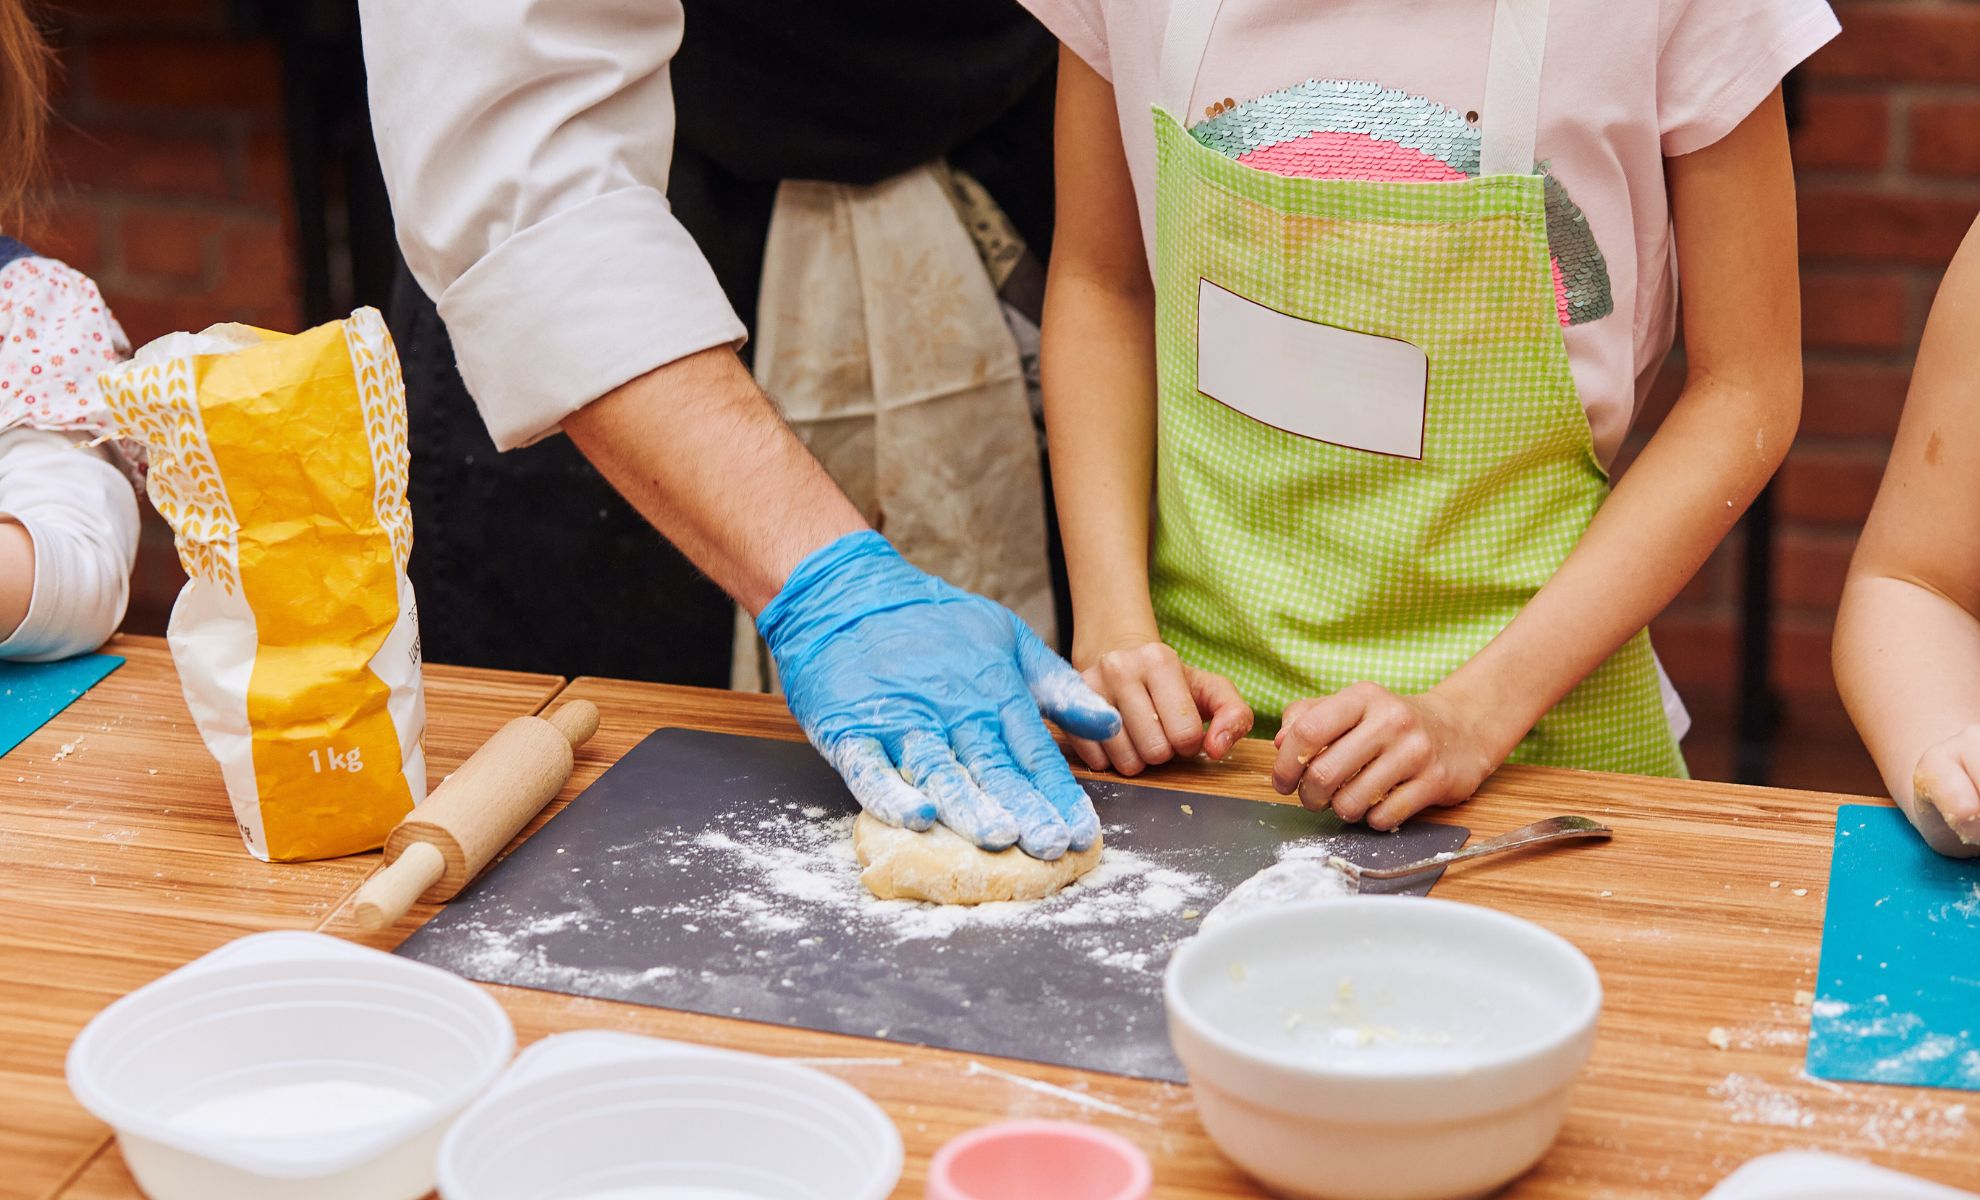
[1387,88]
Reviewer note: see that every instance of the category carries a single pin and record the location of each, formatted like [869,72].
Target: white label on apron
[1333,385]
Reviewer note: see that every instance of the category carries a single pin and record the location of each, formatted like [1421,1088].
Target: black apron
[529,560]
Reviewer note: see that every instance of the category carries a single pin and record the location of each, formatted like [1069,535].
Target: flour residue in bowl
[314,1107]
[1323,1028]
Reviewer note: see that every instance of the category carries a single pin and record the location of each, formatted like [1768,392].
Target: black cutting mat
[714,873]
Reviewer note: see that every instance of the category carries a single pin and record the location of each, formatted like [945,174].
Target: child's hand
[1164,704]
[1367,752]
[1947,782]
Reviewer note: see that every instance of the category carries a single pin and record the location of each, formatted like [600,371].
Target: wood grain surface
[120,861]
[1678,913]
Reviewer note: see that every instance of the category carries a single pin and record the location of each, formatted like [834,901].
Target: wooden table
[1678,914]
[120,861]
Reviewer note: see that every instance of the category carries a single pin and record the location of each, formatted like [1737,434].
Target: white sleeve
[526,144]
[83,517]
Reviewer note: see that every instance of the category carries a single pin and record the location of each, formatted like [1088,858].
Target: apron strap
[1511,117]
[1185,37]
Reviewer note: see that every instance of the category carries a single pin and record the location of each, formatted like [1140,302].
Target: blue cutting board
[1897,999]
[32,693]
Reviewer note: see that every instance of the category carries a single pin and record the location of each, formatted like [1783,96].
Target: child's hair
[25,63]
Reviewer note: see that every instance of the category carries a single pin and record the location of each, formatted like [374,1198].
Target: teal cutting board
[32,693]
[1897,999]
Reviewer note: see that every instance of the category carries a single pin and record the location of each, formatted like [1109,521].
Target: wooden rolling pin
[445,841]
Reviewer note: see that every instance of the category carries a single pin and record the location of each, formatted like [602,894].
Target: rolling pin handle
[391,893]
[577,721]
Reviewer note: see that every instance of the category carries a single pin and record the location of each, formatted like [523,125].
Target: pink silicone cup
[1027,1160]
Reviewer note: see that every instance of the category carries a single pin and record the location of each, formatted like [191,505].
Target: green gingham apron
[1370,452]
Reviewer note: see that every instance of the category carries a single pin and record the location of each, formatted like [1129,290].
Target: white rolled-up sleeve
[526,144]
[82,517]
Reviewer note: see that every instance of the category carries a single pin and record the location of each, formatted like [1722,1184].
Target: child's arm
[1099,383]
[68,537]
[1908,637]
[1368,752]
[16,575]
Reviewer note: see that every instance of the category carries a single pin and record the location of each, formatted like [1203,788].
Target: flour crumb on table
[1719,1037]
[1847,1119]
[1188,811]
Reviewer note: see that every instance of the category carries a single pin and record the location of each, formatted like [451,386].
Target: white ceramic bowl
[289,1066]
[1382,1047]
[612,1116]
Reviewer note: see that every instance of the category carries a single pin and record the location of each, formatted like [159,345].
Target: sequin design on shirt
[1348,129]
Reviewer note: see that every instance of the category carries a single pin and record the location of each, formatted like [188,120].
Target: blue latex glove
[926,699]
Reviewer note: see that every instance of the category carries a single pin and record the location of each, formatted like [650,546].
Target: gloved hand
[926,699]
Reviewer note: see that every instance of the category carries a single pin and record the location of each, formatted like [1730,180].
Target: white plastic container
[289,1066]
[612,1116]
[1382,1047]
[1808,1175]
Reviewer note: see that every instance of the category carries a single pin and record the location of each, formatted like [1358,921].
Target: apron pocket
[1355,390]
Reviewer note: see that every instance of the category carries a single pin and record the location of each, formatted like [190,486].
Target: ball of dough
[938,865]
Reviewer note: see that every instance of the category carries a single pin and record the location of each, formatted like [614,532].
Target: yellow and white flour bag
[280,463]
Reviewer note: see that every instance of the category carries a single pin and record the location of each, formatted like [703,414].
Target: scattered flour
[803,876]
[1754,1102]
[1967,907]
[1789,1027]
[1863,1116]
[1912,1046]
[1124,960]
[1059,1093]
[810,876]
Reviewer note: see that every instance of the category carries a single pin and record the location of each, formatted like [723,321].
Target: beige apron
[881,338]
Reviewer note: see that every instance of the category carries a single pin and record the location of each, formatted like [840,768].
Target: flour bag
[280,462]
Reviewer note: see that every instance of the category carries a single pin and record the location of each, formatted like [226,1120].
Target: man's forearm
[697,448]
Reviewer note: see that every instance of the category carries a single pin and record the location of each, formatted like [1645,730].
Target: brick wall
[1888,159]
[172,191]
[170,181]
[169,185]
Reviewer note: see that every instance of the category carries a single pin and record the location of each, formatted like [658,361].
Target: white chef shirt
[526,145]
